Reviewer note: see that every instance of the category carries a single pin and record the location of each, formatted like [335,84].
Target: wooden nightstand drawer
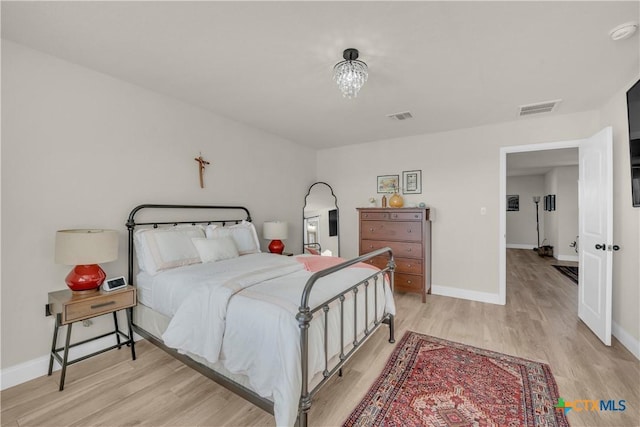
[88,308]
[75,307]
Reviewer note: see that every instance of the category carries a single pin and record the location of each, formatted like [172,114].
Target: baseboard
[567,258]
[447,291]
[519,246]
[38,367]
[629,342]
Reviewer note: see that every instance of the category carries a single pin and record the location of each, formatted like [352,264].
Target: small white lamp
[86,249]
[276,231]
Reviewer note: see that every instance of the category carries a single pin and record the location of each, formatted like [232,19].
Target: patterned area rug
[569,271]
[433,382]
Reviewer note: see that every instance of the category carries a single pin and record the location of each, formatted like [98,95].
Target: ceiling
[540,162]
[453,65]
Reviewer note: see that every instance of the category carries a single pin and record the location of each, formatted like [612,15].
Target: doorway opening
[595,222]
[529,172]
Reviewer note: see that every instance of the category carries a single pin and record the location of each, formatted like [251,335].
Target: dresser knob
[366,215]
[408,282]
[409,231]
[409,250]
[370,246]
[415,216]
[371,229]
[408,265]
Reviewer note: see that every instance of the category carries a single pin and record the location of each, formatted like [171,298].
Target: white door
[596,233]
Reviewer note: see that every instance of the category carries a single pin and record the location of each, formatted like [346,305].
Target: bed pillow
[160,249]
[211,250]
[244,235]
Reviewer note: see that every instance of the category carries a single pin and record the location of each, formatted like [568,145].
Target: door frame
[502,229]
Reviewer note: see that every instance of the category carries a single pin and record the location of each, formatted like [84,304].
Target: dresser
[407,231]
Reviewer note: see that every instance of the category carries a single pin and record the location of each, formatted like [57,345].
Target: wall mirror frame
[320,221]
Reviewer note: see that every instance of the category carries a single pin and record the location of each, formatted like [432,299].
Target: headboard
[174,215]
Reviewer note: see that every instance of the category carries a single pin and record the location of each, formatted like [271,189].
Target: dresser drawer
[403,265]
[389,230]
[374,215]
[90,307]
[408,282]
[400,249]
[406,216]
[379,261]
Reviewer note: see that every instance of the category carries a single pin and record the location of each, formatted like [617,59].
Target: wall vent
[540,107]
[400,116]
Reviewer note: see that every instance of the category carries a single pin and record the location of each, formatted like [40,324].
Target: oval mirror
[320,221]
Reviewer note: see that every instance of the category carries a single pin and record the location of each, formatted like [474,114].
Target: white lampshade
[275,230]
[86,247]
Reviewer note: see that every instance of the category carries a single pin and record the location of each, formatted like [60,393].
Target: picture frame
[388,183]
[513,202]
[412,182]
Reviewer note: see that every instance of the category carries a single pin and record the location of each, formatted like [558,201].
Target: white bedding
[241,313]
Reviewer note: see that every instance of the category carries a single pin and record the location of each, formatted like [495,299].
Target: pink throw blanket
[317,263]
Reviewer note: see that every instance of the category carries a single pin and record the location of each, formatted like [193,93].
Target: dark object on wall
[633,112]
[513,203]
[550,202]
[333,222]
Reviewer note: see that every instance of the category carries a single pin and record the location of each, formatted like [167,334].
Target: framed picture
[513,202]
[388,183]
[412,182]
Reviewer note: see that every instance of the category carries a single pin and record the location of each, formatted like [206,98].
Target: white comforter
[241,313]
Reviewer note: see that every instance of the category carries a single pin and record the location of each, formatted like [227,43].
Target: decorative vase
[396,201]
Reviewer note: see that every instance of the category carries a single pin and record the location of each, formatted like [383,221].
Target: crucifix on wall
[202,163]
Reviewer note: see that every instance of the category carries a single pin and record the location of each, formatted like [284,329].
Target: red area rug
[434,382]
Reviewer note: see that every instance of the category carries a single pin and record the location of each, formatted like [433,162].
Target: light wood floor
[539,322]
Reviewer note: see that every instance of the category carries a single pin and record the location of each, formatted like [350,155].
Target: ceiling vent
[400,116]
[540,107]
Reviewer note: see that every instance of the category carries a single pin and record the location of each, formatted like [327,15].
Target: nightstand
[72,307]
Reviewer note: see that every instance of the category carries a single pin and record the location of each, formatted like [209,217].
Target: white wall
[626,228]
[521,224]
[460,175]
[81,149]
[550,217]
[562,223]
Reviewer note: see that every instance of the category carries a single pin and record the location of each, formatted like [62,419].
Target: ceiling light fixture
[350,74]
[623,31]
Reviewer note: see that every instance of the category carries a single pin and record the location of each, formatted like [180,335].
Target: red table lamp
[85,249]
[276,231]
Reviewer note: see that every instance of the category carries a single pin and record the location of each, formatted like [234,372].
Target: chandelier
[350,74]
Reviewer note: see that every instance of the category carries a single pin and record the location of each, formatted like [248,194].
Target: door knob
[601,246]
[614,247]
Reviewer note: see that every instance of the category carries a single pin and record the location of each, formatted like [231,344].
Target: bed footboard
[371,316]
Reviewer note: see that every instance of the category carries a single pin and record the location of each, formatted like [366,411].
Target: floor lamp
[536,200]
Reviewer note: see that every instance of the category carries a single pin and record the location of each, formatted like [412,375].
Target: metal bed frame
[304,317]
